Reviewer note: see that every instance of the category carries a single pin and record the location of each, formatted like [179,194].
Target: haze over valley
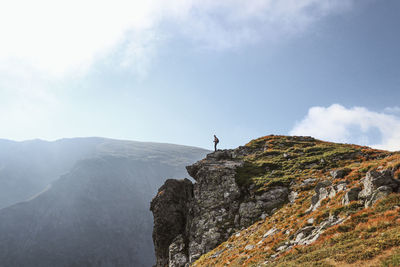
[83,201]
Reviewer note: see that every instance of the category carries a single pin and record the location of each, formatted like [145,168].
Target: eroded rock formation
[191,220]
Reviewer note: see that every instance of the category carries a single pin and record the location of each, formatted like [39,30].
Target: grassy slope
[368,237]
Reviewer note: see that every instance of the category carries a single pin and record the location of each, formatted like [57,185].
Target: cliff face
[170,208]
[191,219]
[267,203]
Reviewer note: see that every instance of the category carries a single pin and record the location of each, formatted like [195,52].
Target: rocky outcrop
[189,225]
[170,208]
[340,173]
[378,184]
[323,190]
[351,195]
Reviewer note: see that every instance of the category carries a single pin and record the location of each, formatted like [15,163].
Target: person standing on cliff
[216,141]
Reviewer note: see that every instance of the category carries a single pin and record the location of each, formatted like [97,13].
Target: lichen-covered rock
[340,173]
[378,184]
[309,234]
[321,192]
[351,195]
[216,207]
[178,252]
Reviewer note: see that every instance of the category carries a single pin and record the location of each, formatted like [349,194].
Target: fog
[83,201]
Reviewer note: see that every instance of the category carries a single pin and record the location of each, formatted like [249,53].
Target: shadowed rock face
[377,185]
[170,209]
[218,208]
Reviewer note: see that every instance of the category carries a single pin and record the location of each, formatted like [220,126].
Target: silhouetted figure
[216,141]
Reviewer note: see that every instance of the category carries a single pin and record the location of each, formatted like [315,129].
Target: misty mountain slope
[26,168]
[96,215]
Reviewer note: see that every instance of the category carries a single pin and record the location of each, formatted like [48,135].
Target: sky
[180,71]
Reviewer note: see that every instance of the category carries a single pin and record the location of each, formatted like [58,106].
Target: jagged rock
[267,202]
[351,195]
[341,186]
[177,252]
[322,184]
[378,184]
[340,173]
[309,234]
[169,209]
[323,190]
[379,193]
[216,208]
[375,179]
[321,193]
[307,184]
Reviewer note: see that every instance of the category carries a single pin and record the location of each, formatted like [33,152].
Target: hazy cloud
[351,125]
[59,37]
[394,110]
[45,43]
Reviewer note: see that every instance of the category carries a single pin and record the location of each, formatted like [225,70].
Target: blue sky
[182,71]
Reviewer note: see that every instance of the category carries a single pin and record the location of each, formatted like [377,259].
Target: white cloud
[347,125]
[58,37]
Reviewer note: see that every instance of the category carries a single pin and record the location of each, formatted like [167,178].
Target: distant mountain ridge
[96,212]
[27,167]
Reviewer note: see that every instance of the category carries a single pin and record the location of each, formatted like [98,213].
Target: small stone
[271,231]
[341,187]
[340,173]
[281,248]
[308,181]
[216,254]
[299,237]
[249,247]
[292,196]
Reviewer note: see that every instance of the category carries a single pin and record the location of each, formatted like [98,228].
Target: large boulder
[351,195]
[340,173]
[378,184]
